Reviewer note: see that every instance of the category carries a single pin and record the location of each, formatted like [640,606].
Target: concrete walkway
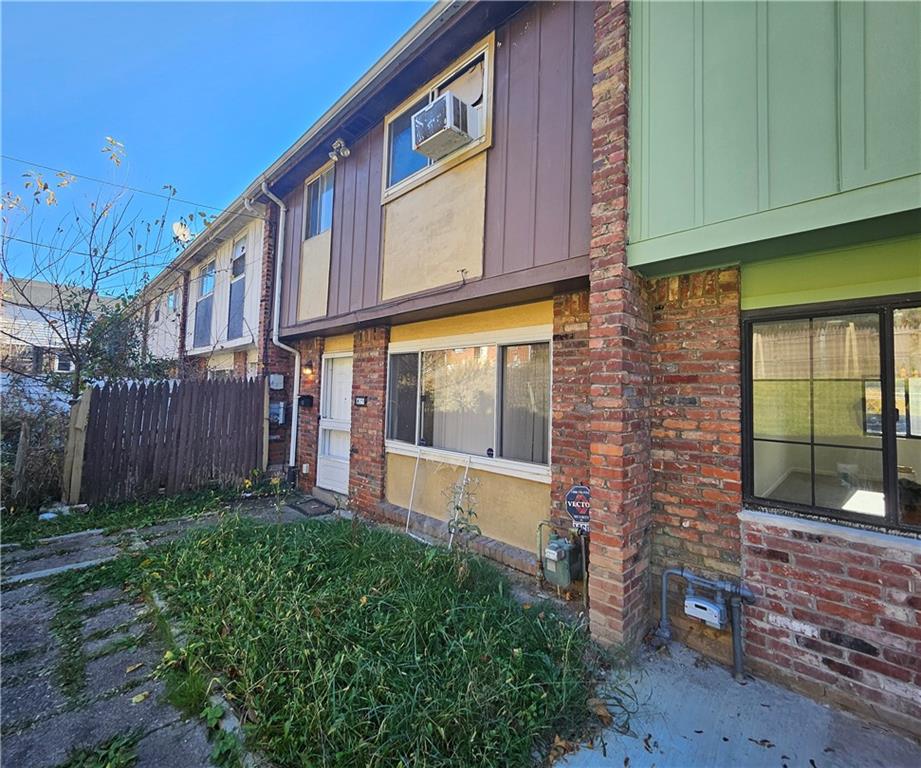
[45,718]
[692,714]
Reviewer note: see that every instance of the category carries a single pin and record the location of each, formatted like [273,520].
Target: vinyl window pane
[403,160]
[202,334]
[906,327]
[526,402]
[403,397]
[459,400]
[849,479]
[846,355]
[780,380]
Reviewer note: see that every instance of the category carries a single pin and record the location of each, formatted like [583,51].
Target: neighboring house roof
[28,306]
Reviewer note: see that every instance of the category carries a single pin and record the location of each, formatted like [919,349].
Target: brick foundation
[618,341]
[308,418]
[695,431]
[369,380]
[571,398]
[838,614]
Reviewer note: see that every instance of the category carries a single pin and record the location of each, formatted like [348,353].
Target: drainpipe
[276,315]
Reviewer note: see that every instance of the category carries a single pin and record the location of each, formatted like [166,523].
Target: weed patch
[347,646]
[26,528]
[118,752]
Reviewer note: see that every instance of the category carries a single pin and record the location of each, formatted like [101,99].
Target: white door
[335,424]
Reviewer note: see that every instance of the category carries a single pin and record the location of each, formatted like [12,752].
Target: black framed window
[830,393]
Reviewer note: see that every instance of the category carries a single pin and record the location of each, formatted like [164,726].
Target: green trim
[833,210]
[882,268]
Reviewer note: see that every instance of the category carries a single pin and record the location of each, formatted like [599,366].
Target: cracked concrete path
[44,722]
[45,718]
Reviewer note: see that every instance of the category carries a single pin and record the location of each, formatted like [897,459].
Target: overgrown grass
[26,528]
[347,646]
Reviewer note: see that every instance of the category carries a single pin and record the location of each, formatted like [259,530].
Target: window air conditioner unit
[442,126]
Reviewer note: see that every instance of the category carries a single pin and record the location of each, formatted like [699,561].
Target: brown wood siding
[538,185]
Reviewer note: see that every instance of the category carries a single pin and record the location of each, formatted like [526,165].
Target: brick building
[694,288]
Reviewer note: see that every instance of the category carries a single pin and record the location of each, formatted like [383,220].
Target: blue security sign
[579,505]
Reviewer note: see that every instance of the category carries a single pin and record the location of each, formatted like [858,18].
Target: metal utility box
[277,413]
[711,612]
[562,560]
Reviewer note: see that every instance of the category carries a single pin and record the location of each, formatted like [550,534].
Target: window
[157,311]
[469,81]
[204,306]
[237,290]
[830,397]
[319,204]
[485,400]
[63,363]
[171,301]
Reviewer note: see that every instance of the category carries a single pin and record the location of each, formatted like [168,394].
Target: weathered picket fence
[139,438]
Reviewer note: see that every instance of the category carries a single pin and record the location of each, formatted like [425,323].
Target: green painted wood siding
[752,120]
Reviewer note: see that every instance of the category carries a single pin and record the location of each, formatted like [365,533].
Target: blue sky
[193,90]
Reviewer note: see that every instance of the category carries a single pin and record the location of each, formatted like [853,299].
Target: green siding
[742,113]
[883,268]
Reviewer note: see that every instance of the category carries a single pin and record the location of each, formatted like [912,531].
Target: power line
[96,180]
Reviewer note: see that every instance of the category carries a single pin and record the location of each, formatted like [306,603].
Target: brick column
[239,363]
[308,427]
[571,398]
[618,343]
[369,380]
[271,359]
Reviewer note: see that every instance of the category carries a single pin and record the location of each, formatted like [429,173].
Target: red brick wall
[695,429]
[571,400]
[308,418]
[369,379]
[239,363]
[838,614]
[619,584]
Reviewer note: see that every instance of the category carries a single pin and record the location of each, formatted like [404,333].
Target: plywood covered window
[470,80]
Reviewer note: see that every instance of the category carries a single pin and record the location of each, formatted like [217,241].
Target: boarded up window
[203,321]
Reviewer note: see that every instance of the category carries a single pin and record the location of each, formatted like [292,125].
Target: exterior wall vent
[442,126]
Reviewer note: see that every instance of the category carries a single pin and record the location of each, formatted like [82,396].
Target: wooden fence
[134,439]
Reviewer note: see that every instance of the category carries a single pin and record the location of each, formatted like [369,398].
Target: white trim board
[538,473]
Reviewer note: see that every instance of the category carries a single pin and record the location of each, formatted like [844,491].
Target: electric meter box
[711,612]
[562,560]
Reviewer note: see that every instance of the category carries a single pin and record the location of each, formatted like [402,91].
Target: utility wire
[161,195]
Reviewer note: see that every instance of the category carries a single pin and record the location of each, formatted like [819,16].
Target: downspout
[276,316]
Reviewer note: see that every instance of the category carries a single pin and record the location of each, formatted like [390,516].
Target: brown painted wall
[538,194]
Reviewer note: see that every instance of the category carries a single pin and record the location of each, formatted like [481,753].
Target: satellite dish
[181,231]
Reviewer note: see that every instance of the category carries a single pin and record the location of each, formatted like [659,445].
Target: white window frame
[314,178]
[539,334]
[242,276]
[201,281]
[485,48]
[57,363]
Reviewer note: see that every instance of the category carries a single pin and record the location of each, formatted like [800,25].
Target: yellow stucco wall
[220,361]
[508,508]
[435,230]
[522,316]
[341,343]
